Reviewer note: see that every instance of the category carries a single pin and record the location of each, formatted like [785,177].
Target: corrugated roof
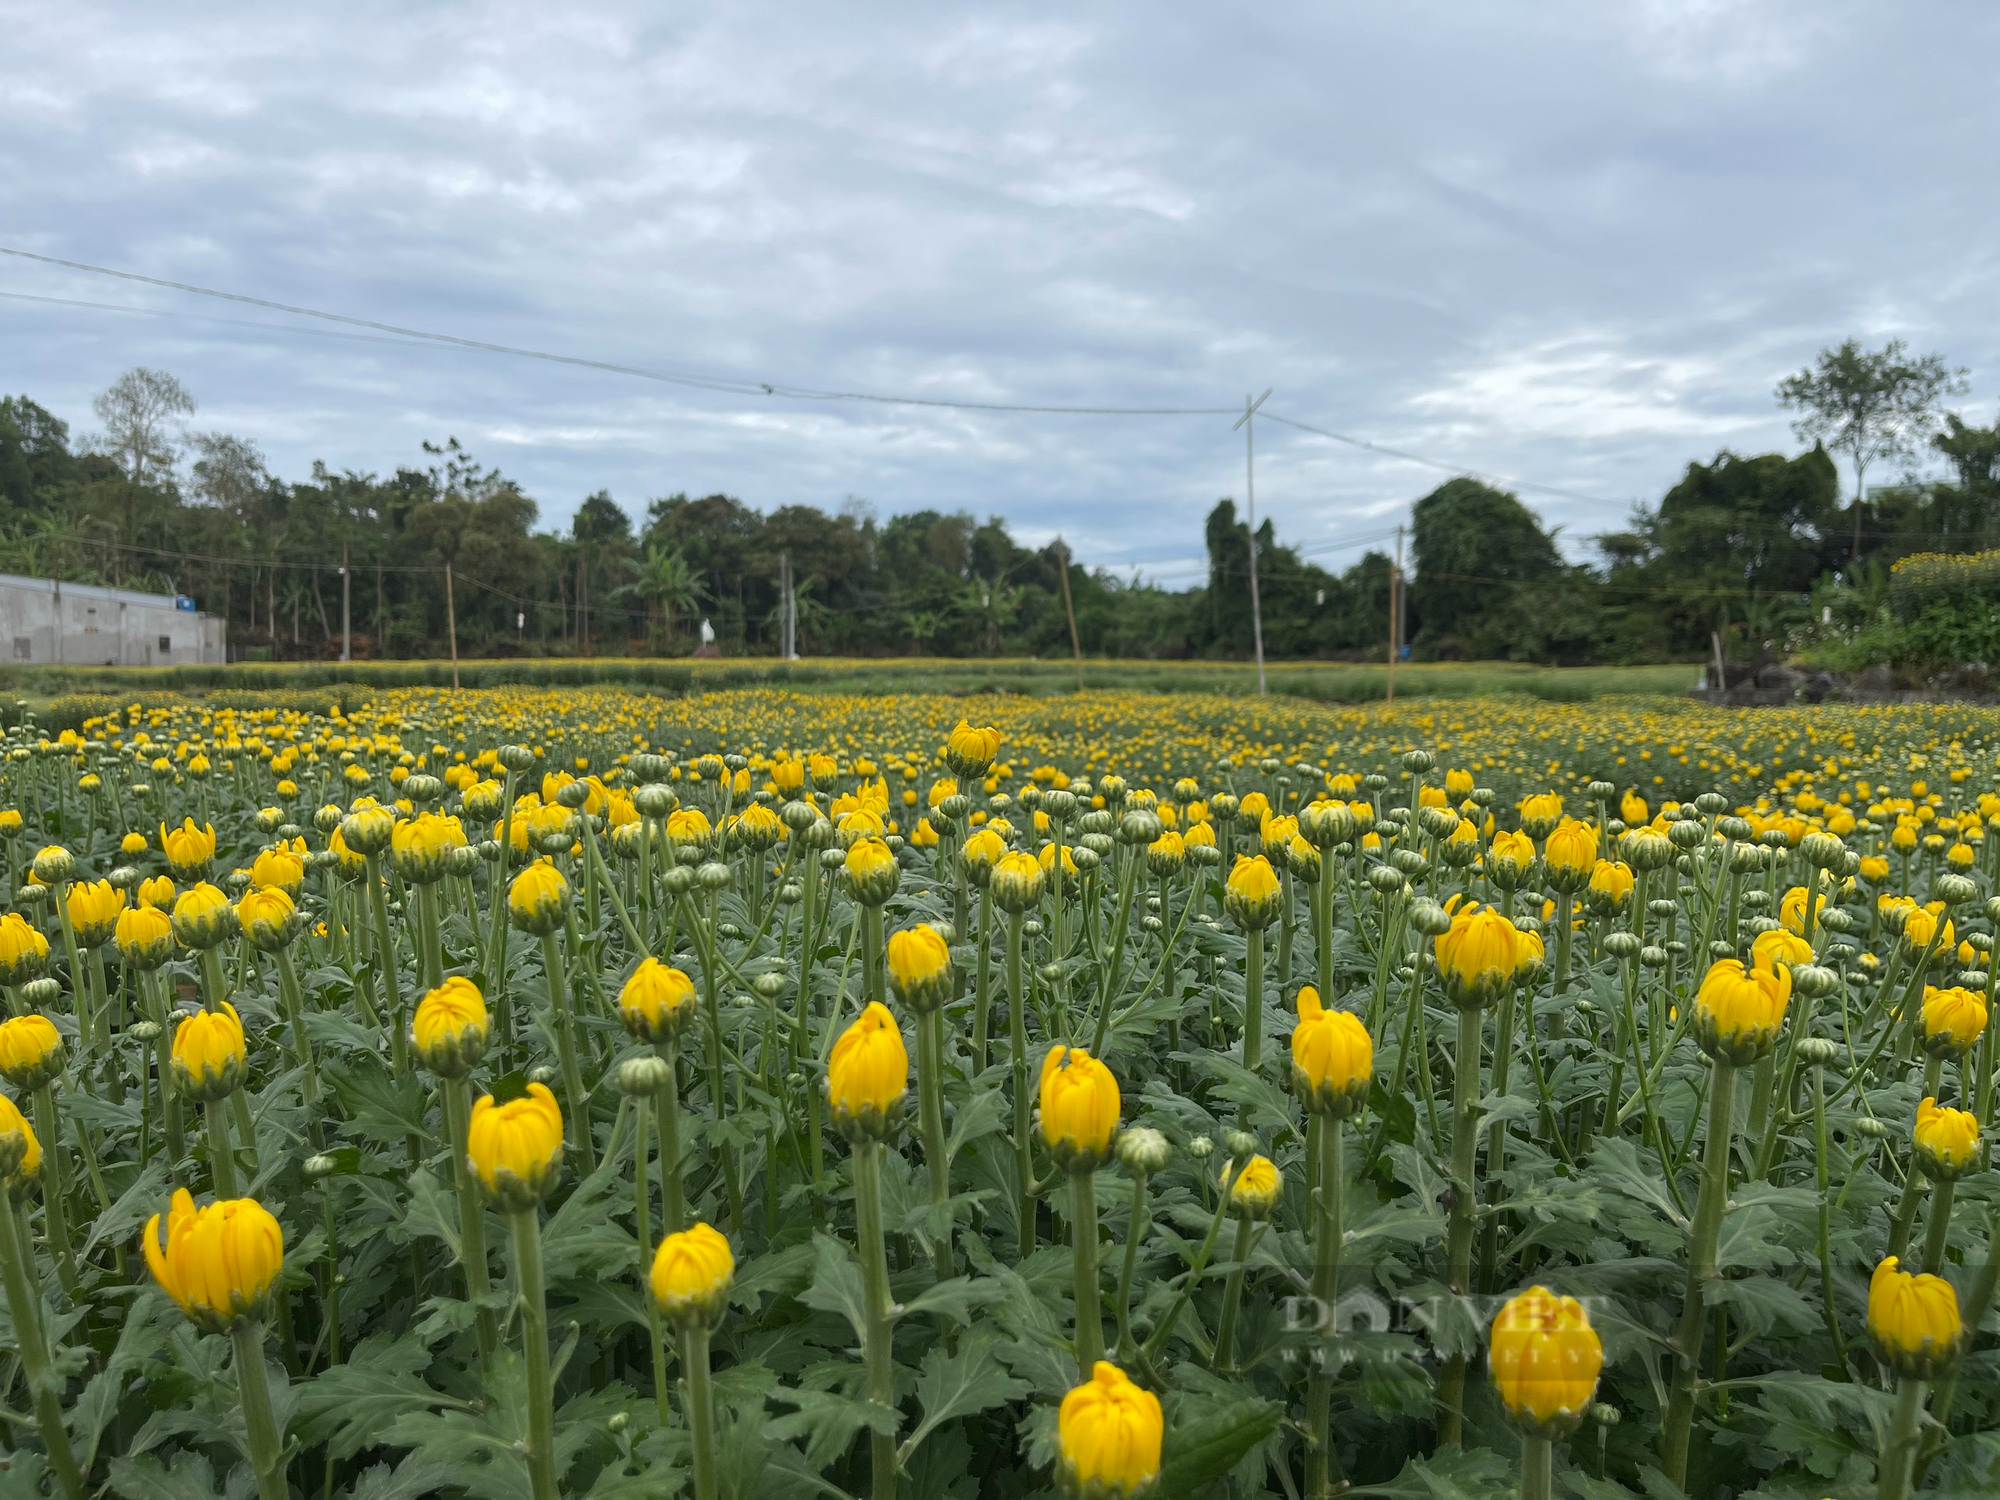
[90,591]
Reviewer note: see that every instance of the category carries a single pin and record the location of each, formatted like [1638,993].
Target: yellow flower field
[531,1092]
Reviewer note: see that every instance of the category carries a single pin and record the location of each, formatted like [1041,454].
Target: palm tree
[667,586]
[809,616]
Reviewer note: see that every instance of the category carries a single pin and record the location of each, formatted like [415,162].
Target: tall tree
[1474,547]
[139,411]
[1871,405]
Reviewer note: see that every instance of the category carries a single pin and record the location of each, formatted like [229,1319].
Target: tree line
[1756,550]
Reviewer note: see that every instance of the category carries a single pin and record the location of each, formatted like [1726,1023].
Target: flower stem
[1464,1202]
[535,1341]
[24,1302]
[1898,1457]
[930,1124]
[672,1216]
[294,1003]
[881,1375]
[471,1214]
[642,1204]
[1704,1236]
[221,1154]
[55,1187]
[1137,1223]
[1232,1295]
[385,958]
[1321,1466]
[1024,1146]
[565,1030]
[253,1388]
[982,983]
[1940,1226]
[1537,1469]
[700,1407]
[1089,1295]
[1253,1002]
[153,989]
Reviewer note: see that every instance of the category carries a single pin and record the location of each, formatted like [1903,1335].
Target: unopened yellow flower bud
[1544,1358]
[871,870]
[24,952]
[189,849]
[219,1262]
[868,1075]
[209,1056]
[1738,1011]
[969,751]
[20,1150]
[920,969]
[1914,1321]
[31,1051]
[1080,1104]
[1944,1141]
[1570,854]
[538,898]
[450,1029]
[144,936]
[657,1002]
[1108,1434]
[93,907]
[1017,882]
[516,1149]
[268,918]
[1333,1058]
[1255,1189]
[1477,956]
[1252,893]
[691,1276]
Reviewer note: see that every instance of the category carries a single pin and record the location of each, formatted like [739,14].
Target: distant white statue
[707,633]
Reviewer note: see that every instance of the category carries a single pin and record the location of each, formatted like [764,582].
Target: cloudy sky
[1566,242]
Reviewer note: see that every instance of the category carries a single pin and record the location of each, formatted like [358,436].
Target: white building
[85,625]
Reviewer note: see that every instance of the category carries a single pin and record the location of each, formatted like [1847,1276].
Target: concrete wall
[82,625]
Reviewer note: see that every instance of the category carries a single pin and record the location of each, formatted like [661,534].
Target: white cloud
[1572,246]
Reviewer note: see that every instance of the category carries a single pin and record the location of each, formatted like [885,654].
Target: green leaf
[1762,1303]
[957,1384]
[1205,1449]
[836,1284]
[120,1224]
[786,1271]
[432,1211]
[957,1299]
[347,1406]
[381,1109]
[405,1481]
[1616,1167]
[141,1336]
[1398,1114]
[145,1478]
[981,1115]
[580,1240]
[1451,1474]
[827,1420]
[1259,1100]
[1751,1240]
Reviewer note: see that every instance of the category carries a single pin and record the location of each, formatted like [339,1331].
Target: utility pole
[346,619]
[1069,608]
[1250,505]
[788,623]
[451,623]
[1395,613]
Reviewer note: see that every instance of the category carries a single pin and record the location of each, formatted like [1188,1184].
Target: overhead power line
[1436,463]
[735,385]
[727,384]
